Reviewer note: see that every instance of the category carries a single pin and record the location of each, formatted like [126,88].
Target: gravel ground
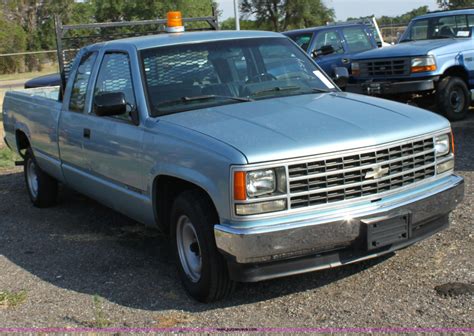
[80,264]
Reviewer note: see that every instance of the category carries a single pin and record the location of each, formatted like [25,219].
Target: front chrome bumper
[342,230]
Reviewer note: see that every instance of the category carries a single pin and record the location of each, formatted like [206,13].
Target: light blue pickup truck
[433,64]
[242,149]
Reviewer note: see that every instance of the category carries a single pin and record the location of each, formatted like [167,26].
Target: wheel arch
[165,190]
[457,71]
[22,141]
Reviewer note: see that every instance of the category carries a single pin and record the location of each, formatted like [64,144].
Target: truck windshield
[186,77]
[453,26]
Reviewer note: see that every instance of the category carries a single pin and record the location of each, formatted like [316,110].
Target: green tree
[128,10]
[455,4]
[229,24]
[400,19]
[281,15]
[13,39]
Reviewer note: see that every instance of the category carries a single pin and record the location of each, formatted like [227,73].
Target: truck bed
[35,112]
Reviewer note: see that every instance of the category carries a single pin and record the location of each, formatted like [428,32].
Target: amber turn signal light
[240,188]
[423,68]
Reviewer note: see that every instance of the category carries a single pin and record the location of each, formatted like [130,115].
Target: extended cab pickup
[432,65]
[239,147]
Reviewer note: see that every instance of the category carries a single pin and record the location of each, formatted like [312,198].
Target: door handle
[345,61]
[87,133]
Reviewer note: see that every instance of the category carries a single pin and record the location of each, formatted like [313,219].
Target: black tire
[453,98]
[213,282]
[45,192]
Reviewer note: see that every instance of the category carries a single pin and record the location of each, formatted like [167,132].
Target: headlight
[254,185]
[355,69]
[444,148]
[260,182]
[423,64]
[442,145]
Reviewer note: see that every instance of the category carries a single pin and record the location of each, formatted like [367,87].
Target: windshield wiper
[406,40]
[186,99]
[321,90]
[277,89]
[207,97]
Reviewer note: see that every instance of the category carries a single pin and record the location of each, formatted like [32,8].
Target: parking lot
[82,265]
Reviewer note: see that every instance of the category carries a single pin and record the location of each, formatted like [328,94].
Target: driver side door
[333,38]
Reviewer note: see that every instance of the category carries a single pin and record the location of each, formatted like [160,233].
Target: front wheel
[202,269]
[42,188]
[453,98]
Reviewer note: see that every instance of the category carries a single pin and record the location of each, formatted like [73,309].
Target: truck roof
[446,13]
[331,26]
[159,40]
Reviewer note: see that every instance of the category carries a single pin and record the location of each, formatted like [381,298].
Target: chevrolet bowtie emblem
[376,173]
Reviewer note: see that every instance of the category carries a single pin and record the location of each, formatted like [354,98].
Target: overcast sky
[354,8]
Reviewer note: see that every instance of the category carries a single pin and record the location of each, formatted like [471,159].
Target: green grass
[11,299]
[47,69]
[7,158]
[100,318]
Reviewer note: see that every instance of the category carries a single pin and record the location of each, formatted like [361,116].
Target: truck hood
[303,125]
[407,49]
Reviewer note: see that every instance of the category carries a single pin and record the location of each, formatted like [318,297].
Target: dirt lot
[80,264]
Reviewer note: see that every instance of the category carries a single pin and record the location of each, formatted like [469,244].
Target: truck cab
[432,65]
[335,45]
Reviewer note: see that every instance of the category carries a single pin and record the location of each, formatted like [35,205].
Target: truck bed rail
[71,38]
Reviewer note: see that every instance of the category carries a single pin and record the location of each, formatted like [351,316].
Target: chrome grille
[337,179]
[385,67]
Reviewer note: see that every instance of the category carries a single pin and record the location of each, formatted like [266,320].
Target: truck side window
[356,39]
[470,19]
[79,88]
[329,38]
[303,40]
[115,76]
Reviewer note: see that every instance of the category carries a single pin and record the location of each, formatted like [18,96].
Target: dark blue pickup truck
[432,65]
[335,45]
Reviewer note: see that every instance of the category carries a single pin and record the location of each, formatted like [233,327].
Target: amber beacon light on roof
[174,22]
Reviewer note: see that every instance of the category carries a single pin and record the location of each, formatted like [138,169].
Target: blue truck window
[329,38]
[419,30]
[356,39]
[115,76]
[81,81]
[303,40]
[470,20]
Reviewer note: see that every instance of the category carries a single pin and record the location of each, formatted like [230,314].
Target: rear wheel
[202,269]
[453,98]
[42,188]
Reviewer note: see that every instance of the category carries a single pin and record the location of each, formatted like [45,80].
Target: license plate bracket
[383,231]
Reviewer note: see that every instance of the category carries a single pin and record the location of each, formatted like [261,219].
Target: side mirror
[110,104]
[324,50]
[327,50]
[341,76]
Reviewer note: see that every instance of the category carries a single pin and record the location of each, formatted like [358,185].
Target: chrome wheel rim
[188,248]
[457,100]
[32,178]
